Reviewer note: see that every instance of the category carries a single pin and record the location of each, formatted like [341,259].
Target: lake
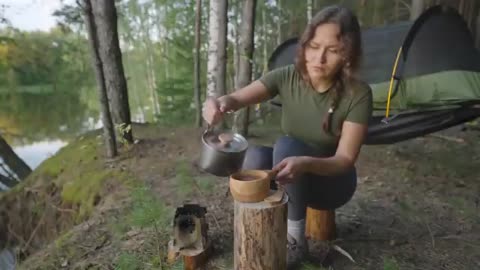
[37,125]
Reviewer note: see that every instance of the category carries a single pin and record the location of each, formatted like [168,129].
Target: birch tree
[196,65]
[216,65]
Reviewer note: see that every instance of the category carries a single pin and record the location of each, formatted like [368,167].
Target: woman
[325,116]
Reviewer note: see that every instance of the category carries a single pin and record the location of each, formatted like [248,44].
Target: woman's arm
[254,93]
[351,140]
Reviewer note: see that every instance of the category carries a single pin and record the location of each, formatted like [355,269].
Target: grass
[390,264]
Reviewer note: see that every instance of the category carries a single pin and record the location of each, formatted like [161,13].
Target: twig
[431,235]
[35,230]
[448,138]
[12,232]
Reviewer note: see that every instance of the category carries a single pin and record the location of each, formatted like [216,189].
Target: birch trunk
[196,64]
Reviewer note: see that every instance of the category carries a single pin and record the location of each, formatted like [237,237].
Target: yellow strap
[391,82]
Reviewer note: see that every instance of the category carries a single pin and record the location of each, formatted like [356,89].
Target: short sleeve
[274,80]
[360,110]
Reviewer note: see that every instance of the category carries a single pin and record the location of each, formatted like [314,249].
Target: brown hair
[350,36]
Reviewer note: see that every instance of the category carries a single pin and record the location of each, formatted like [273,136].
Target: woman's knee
[258,158]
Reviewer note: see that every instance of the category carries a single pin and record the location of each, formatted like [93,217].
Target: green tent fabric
[431,90]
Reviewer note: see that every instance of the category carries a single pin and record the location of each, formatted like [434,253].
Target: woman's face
[324,52]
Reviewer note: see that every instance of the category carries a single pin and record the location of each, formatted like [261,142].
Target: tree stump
[260,232]
[320,224]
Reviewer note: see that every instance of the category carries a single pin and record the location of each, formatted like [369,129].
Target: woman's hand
[289,169]
[214,109]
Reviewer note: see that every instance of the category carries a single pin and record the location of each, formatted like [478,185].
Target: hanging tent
[436,84]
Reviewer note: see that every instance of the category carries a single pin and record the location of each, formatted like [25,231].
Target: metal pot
[222,157]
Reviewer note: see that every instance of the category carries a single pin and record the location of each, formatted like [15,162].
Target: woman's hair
[350,36]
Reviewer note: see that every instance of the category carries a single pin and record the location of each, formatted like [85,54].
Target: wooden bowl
[250,185]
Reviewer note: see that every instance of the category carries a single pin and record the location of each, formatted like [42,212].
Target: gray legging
[317,191]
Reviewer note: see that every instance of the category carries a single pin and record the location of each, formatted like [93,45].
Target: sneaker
[295,253]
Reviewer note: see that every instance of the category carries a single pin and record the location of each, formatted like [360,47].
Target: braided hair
[350,36]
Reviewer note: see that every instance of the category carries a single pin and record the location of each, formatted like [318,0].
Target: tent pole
[391,81]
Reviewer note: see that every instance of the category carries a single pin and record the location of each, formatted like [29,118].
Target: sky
[31,15]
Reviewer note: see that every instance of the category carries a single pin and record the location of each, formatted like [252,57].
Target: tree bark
[222,47]
[309,10]
[13,161]
[260,235]
[196,64]
[216,48]
[279,23]
[320,224]
[105,18]
[477,31]
[244,75]
[416,9]
[108,130]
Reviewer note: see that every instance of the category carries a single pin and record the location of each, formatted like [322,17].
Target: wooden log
[195,260]
[260,235]
[320,224]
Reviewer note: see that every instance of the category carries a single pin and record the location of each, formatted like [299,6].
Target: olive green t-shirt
[304,109]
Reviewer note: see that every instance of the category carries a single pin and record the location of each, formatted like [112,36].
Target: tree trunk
[320,224]
[309,10]
[396,11]
[196,64]
[222,47]
[265,39]
[260,235]
[14,162]
[105,17]
[477,31]
[416,9]
[150,61]
[245,62]
[216,48]
[235,33]
[279,23]
[108,130]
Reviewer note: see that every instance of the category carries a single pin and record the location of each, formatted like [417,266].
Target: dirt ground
[416,206]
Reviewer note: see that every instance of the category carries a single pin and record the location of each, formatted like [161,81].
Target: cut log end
[320,224]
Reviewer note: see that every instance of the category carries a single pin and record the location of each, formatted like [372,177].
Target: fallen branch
[447,138]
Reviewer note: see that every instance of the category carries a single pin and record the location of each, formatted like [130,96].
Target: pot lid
[226,141]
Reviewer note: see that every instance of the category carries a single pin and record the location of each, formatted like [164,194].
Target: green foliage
[128,261]
[310,266]
[148,211]
[183,178]
[390,264]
